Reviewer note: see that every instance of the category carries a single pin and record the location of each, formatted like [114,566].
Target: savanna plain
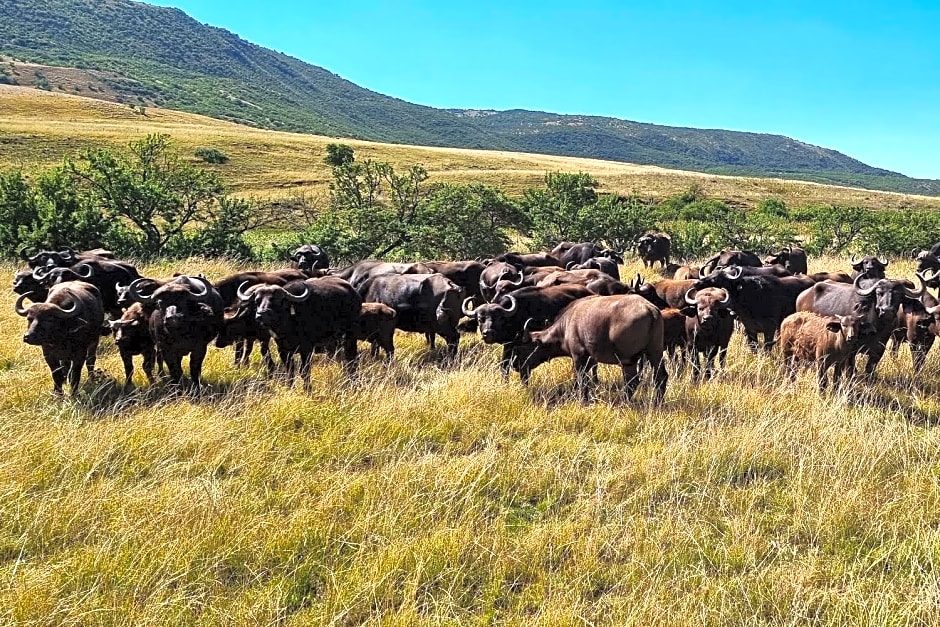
[420,493]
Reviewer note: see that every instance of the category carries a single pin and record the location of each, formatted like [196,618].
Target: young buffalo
[824,340]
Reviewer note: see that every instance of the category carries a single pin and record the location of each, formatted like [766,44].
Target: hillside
[39,128]
[150,55]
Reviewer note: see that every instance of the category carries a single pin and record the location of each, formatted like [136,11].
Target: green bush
[209,155]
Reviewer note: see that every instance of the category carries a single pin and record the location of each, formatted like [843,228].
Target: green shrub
[209,155]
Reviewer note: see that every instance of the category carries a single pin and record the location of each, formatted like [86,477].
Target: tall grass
[426,495]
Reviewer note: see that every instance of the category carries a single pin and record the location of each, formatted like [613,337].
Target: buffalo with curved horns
[68,326]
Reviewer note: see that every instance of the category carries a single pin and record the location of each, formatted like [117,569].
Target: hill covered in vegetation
[147,55]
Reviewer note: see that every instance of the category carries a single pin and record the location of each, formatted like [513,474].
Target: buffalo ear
[857,307]
[834,326]
[689,311]
[724,313]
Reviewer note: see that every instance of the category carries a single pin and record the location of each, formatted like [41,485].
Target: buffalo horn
[467,307]
[852,260]
[19,304]
[922,254]
[688,299]
[201,295]
[512,304]
[927,275]
[39,273]
[298,298]
[570,265]
[316,249]
[525,325]
[932,310]
[520,281]
[133,290]
[865,291]
[916,293]
[732,274]
[240,292]
[84,270]
[24,254]
[62,312]
[883,261]
[726,299]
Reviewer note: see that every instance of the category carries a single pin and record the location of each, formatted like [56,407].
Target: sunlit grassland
[425,495]
[39,128]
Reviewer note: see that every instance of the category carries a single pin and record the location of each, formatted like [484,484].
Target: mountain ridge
[161,56]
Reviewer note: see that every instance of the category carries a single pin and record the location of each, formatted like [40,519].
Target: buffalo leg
[505,361]
[174,364]
[265,346]
[582,376]
[350,353]
[57,368]
[75,374]
[430,338]
[195,365]
[875,353]
[128,360]
[239,352]
[91,358]
[631,378]
[149,359]
[287,361]
[660,376]
[306,362]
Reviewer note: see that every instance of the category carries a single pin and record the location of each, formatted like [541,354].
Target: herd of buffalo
[538,306]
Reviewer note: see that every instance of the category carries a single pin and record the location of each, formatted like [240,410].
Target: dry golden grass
[426,495]
[39,128]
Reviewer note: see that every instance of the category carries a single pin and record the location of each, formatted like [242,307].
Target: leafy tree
[151,188]
[463,222]
[18,211]
[835,229]
[555,211]
[373,211]
[66,217]
[616,220]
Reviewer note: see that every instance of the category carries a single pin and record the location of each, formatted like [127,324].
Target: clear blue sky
[860,77]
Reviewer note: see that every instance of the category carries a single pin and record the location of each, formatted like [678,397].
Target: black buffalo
[68,326]
[760,302]
[728,258]
[654,247]
[792,258]
[876,300]
[306,315]
[186,314]
[310,257]
[869,266]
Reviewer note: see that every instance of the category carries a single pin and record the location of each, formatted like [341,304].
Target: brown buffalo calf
[132,336]
[377,326]
[807,337]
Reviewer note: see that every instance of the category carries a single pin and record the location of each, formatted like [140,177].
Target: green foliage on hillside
[162,56]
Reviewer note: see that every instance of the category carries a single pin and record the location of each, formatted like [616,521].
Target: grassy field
[425,495]
[38,128]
